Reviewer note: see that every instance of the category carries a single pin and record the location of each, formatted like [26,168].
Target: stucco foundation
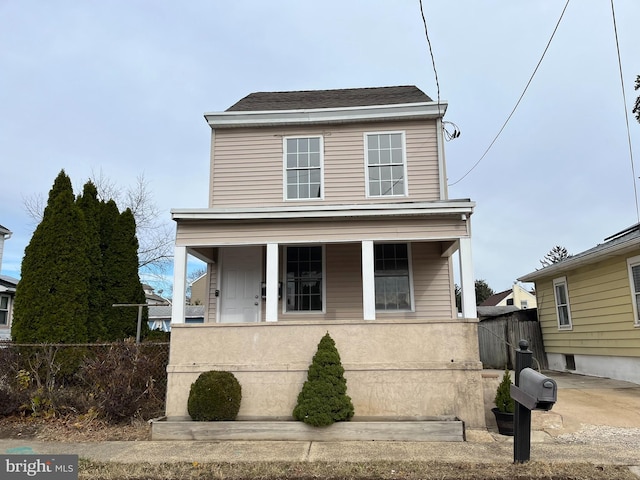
[405,369]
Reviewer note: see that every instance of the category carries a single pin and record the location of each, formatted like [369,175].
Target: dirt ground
[72,429]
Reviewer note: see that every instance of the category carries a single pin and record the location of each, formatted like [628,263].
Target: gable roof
[4,230]
[620,243]
[8,284]
[496,298]
[321,107]
[313,99]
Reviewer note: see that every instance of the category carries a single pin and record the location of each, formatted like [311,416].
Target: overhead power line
[626,111]
[433,61]
[519,99]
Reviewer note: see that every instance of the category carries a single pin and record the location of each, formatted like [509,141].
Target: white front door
[241,285]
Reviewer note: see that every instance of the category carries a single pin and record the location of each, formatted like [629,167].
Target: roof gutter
[460,207]
[319,116]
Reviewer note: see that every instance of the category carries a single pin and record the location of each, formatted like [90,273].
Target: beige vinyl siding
[431,285]
[247,164]
[343,283]
[212,304]
[390,229]
[432,282]
[601,311]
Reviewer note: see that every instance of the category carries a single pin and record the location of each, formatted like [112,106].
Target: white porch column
[368,281]
[272,283]
[467,282]
[179,284]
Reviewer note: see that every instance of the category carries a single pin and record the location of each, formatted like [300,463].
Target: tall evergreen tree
[120,269]
[555,255]
[51,298]
[92,209]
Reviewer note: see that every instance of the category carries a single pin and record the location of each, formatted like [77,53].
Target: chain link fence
[115,381]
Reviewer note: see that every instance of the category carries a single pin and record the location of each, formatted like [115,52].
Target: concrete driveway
[582,401]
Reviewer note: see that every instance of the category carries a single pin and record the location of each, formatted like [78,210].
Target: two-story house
[328,212]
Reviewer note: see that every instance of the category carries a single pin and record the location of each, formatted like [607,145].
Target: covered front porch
[359,263]
[379,280]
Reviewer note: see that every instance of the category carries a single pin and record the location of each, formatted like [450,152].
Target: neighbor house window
[4,310]
[386,170]
[562,303]
[392,276]
[304,279]
[634,282]
[303,167]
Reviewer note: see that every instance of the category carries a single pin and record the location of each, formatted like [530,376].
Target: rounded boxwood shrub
[214,396]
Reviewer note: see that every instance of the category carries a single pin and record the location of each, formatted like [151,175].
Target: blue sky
[121,87]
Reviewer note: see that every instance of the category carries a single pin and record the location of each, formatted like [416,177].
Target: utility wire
[626,111]
[433,62]
[519,100]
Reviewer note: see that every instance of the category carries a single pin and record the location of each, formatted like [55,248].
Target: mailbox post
[522,418]
[532,391]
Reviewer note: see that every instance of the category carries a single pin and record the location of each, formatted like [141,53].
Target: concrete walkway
[595,420]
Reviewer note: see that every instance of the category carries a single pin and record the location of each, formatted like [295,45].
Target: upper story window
[562,303]
[392,276]
[634,281]
[386,169]
[303,164]
[4,310]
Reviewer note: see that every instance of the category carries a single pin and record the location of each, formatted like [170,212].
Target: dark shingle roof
[496,298]
[312,99]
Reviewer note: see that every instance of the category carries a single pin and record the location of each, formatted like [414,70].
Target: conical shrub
[504,402]
[323,399]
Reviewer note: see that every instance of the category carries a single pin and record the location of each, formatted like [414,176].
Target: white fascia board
[464,207]
[408,111]
[582,260]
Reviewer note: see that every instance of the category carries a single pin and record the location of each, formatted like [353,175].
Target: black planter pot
[504,421]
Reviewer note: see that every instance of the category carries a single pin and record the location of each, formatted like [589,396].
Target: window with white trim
[392,276]
[304,279]
[4,310]
[303,165]
[386,169]
[634,282]
[563,311]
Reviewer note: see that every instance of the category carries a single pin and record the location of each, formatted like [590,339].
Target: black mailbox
[535,390]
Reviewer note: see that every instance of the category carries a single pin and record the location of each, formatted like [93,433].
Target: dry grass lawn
[87,429]
[352,471]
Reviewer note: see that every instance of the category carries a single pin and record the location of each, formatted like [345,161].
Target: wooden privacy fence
[498,339]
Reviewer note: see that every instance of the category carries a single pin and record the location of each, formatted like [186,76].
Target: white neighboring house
[517,296]
[7,292]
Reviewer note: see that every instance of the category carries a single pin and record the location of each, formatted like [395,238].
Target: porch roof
[450,207]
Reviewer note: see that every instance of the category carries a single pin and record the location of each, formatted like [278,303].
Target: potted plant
[505,406]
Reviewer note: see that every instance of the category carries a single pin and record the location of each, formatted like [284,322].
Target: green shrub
[214,396]
[503,400]
[323,399]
